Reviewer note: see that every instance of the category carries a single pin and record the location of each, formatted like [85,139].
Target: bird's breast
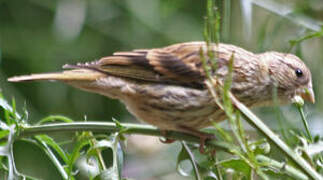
[171,106]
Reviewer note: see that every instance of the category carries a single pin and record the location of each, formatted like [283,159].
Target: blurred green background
[42,35]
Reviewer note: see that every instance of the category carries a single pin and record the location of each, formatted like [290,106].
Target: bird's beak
[308,95]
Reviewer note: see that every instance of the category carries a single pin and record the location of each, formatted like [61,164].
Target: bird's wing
[179,63]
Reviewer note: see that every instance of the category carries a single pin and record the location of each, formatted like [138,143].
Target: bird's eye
[299,73]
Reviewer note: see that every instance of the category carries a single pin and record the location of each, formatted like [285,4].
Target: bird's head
[290,75]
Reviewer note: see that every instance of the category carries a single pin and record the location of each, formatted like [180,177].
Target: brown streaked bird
[165,87]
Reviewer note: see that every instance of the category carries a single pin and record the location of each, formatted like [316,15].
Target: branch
[110,127]
[259,125]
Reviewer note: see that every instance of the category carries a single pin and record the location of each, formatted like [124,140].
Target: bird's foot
[204,137]
[164,139]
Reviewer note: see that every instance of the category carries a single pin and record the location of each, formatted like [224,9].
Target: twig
[278,165]
[109,127]
[259,125]
[309,135]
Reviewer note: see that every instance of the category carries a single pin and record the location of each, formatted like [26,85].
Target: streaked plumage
[165,86]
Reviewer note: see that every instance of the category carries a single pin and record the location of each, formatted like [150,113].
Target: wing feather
[179,63]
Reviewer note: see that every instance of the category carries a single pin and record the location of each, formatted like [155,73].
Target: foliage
[95,150]
[85,159]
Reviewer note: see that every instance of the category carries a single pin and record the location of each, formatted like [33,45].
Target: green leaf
[226,89]
[213,23]
[237,165]
[80,143]
[122,129]
[50,141]
[304,120]
[32,154]
[118,124]
[4,104]
[4,133]
[13,105]
[9,112]
[260,146]
[186,154]
[43,142]
[276,174]
[316,34]
[54,118]
[225,135]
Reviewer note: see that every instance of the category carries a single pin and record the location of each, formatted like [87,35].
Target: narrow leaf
[186,154]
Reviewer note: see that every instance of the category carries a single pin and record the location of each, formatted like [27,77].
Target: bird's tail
[69,75]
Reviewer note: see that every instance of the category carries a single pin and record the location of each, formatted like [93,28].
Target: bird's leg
[202,135]
[166,140]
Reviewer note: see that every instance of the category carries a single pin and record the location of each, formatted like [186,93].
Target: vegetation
[57,147]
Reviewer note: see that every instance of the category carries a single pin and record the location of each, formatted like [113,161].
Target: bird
[166,87]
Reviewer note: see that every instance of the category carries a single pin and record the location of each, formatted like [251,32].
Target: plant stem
[109,127]
[259,125]
[98,153]
[278,165]
[301,111]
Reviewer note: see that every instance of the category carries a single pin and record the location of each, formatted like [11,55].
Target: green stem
[98,153]
[55,161]
[225,35]
[301,111]
[278,165]
[109,127]
[259,125]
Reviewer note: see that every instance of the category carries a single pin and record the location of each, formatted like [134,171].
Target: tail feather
[71,75]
